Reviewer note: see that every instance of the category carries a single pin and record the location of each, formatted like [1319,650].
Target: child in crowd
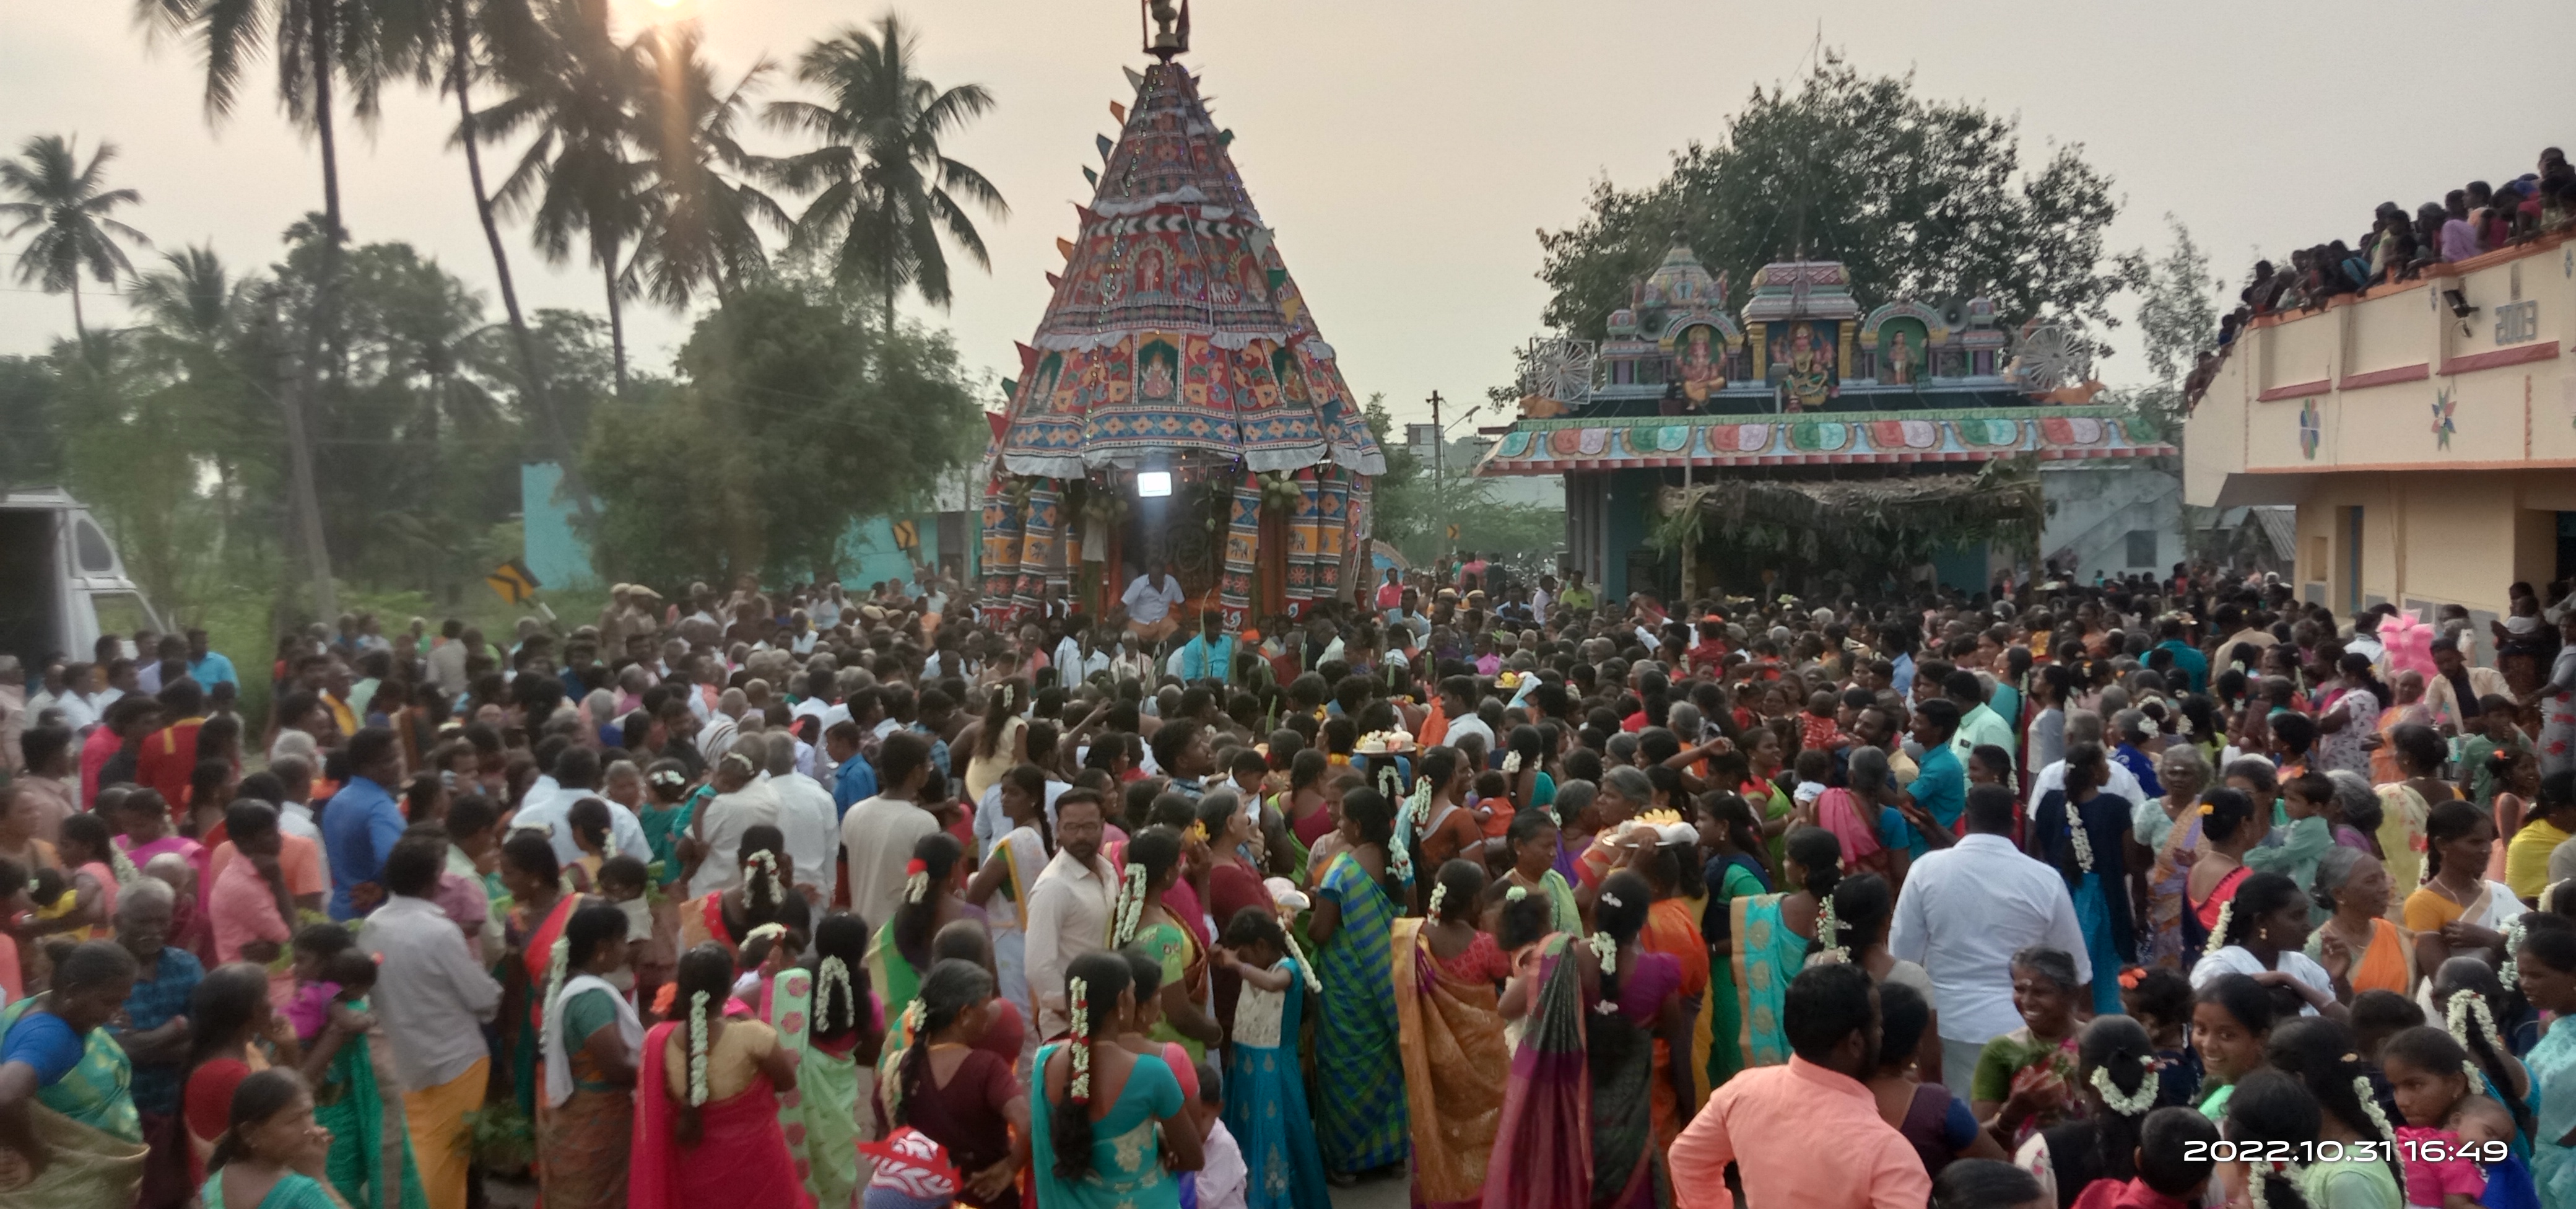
[1222,1178]
[2161,1001]
[315,963]
[2304,798]
[1493,803]
[2450,1129]
[1820,729]
[2231,1018]
[2174,1165]
[1815,768]
[621,881]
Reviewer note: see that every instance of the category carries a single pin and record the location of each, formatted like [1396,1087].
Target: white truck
[61,584]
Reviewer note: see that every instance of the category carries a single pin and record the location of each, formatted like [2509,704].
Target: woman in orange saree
[1672,927]
[1450,1036]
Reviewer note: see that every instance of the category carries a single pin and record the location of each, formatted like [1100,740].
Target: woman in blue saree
[1363,1123]
[2545,961]
[78,1107]
[2085,833]
[1095,1128]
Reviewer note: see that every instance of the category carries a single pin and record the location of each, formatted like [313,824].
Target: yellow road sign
[513,582]
[907,536]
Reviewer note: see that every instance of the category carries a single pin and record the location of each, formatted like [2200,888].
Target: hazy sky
[1406,151]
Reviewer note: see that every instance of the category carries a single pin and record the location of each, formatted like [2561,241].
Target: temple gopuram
[1178,404]
[1807,439]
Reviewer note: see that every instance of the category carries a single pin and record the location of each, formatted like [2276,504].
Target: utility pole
[1440,469]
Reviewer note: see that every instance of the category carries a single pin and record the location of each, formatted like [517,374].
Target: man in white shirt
[878,834]
[434,998]
[549,801]
[1964,911]
[1068,907]
[1076,658]
[806,820]
[1458,701]
[743,801]
[1150,601]
[2085,726]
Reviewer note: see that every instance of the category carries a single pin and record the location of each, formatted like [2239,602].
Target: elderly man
[155,1033]
[434,998]
[806,819]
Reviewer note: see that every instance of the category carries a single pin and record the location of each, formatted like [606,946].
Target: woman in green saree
[64,1098]
[269,1156]
[370,1150]
[934,888]
[1734,872]
[1772,934]
[1153,868]
[823,1014]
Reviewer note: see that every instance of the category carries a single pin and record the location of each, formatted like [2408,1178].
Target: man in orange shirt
[169,755]
[1767,1120]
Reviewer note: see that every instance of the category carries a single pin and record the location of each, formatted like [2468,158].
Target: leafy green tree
[798,420]
[71,213]
[2178,309]
[31,447]
[888,190]
[1916,197]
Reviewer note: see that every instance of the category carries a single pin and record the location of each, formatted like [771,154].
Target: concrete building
[2423,430]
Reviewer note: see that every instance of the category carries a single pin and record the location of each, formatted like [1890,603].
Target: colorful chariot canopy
[1175,335]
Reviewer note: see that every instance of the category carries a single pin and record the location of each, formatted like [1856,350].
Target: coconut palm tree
[70,210]
[458,24]
[572,88]
[701,229]
[887,190]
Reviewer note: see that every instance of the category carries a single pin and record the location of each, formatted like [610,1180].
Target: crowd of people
[2128,896]
[2473,219]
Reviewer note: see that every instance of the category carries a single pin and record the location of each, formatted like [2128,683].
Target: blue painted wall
[559,557]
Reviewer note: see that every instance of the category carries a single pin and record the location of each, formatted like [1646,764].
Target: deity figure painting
[1809,364]
[1157,372]
[1701,367]
[1899,365]
[1149,271]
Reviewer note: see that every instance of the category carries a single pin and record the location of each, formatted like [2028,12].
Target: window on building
[2142,547]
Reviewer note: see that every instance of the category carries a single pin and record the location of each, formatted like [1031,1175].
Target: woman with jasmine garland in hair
[1265,1103]
[1451,1038]
[2084,832]
[1773,935]
[1640,1003]
[592,1042]
[960,1095]
[827,1016]
[932,885]
[1140,919]
[539,913]
[1094,1125]
[726,917]
[706,1119]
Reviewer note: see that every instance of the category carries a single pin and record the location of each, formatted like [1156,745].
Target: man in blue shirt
[2187,660]
[206,666]
[362,823]
[1940,781]
[855,780]
[1210,655]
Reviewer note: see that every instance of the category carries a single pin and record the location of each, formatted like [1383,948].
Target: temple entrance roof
[1175,334]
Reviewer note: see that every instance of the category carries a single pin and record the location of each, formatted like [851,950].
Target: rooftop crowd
[1521,893]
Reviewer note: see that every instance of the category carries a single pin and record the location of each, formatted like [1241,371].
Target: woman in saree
[2357,945]
[2227,829]
[1640,1004]
[1542,1151]
[272,1149]
[1001,883]
[1265,1103]
[1362,1125]
[2458,912]
[63,1088]
[932,898]
[1734,870]
[370,1162]
[960,1095]
[1533,843]
[593,1041]
[2406,805]
[2084,832]
[1450,1031]
[539,910]
[232,1031]
[1772,935]
[2546,962]
[2161,831]
[1141,920]
[1668,858]
[706,1113]
[1094,1131]
[726,917]
[826,1014]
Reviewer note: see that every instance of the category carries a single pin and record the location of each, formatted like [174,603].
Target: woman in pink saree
[706,1119]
